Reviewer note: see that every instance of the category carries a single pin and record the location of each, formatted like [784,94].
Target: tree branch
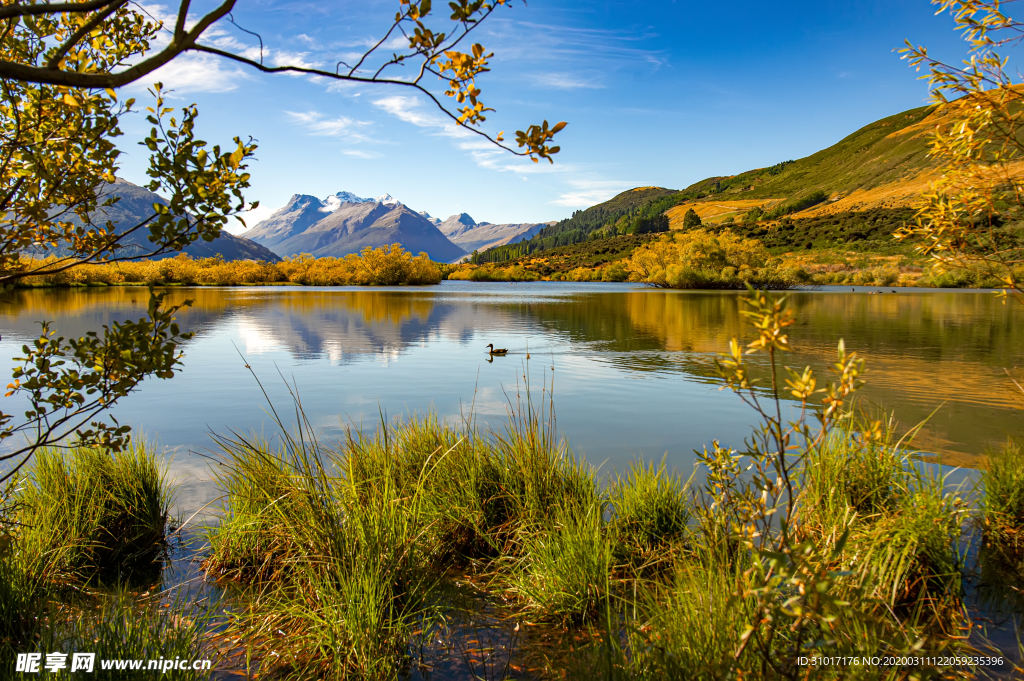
[18,10]
[358,79]
[51,76]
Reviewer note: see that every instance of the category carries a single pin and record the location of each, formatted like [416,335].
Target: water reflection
[634,367]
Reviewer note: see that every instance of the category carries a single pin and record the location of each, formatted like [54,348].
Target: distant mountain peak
[333,202]
[434,221]
[387,200]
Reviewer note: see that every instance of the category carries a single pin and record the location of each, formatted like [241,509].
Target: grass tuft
[100,516]
[651,513]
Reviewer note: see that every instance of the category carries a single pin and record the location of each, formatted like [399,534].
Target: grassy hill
[880,168]
[637,211]
[893,150]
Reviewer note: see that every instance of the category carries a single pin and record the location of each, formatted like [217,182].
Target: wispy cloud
[408,109]
[316,123]
[567,81]
[298,59]
[195,73]
[359,153]
[589,192]
[481,150]
[549,43]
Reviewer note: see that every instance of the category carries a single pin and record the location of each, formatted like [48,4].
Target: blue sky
[657,92]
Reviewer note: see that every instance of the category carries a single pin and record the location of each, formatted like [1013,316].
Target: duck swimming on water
[496,351]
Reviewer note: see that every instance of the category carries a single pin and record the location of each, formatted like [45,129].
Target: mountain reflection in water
[633,367]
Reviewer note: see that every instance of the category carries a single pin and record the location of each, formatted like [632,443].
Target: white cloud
[252,218]
[590,192]
[317,124]
[567,81]
[408,109]
[359,154]
[195,73]
[298,59]
[396,43]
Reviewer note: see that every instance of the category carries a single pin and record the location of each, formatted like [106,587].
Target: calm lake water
[633,368]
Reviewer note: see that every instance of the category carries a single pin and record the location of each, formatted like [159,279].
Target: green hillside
[883,153]
[637,211]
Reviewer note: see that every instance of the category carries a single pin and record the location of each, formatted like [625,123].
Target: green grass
[903,525]
[562,573]
[652,511]
[77,523]
[121,626]
[343,549]
[1003,500]
[100,516]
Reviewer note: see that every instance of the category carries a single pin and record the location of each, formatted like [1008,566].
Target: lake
[632,368]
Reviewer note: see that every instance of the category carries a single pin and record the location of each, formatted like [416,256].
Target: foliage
[637,211]
[691,220]
[701,259]
[385,266]
[58,155]
[864,230]
[814,198]
[972,217]
[109,509]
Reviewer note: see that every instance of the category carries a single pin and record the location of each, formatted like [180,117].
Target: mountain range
[136,205]
[471,236]
[344,223]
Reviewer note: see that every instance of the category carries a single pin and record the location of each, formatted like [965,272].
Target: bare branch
[179,26]
[358,79]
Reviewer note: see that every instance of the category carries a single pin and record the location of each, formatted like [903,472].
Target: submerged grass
[337,554]
[98,516]
[1003,500]
[78,523]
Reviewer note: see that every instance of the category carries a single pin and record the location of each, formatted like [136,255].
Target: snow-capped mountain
[333,202]
[430,218]
[352,222]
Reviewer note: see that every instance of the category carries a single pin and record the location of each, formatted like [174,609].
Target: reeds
[339,551]
[1003,497]
[99,516]
[77,522]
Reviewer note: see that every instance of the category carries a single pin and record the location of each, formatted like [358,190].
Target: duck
[496,351]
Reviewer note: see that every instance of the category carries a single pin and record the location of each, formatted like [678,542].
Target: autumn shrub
[702,259]
[386,266]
